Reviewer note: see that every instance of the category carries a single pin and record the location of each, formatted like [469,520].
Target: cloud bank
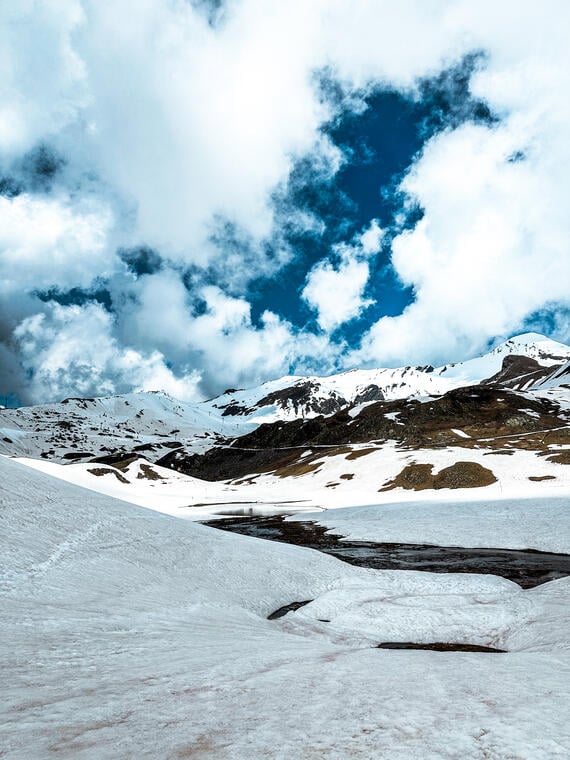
[144,159]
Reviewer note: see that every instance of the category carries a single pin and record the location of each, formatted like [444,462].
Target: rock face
[305,397]
[518,372]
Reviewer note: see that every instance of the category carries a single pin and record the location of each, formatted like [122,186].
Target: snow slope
[541,523]
[154,421]
[127,633]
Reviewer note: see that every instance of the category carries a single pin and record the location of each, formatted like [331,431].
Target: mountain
[530,357]
[153,424]
[461,419]
[514,397]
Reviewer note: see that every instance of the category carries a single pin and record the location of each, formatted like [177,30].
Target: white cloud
[492,245]
[336,293]
[234,350]
[335,289]
[371,239]
[48,242]
[168,125]
[41,74]
[72,351]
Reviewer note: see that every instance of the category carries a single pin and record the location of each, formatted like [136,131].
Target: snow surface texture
[541,523]
[127,633]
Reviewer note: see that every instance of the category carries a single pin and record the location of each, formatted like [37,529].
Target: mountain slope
[412,406]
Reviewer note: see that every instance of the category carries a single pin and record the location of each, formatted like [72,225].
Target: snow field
[128,633]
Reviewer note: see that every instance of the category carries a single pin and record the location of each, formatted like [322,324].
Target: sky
[202,194]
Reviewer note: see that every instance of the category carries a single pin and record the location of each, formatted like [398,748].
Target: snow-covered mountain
[291,397]
[154,424]
[496,424]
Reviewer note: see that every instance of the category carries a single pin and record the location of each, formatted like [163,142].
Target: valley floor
[130,633]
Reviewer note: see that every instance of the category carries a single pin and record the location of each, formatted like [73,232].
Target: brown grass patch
[332,451]
[347,476]
[148,473]
[297,468]
[99,471]
[360,453]
[416,477]
[559,457]
[557,436]
[538,478]
[419,477]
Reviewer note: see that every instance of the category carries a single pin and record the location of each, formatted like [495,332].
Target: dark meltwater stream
[528,568]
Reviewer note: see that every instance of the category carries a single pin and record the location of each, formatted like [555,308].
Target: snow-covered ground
[129,633]
[354,478]
[540,523]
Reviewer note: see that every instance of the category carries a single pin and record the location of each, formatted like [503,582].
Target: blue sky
[215,194]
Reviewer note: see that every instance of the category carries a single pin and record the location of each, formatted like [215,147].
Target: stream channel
[526,567]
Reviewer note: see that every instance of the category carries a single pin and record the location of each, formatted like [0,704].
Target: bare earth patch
[360,453]
[99,471]
[148,473]
[419,477]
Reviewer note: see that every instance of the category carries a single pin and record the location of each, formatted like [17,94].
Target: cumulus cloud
[172,131]
[47,243]
[71,351]
[491,247]
[336,290]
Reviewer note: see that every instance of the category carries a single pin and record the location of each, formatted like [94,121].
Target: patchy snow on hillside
[357,476]
[128,633]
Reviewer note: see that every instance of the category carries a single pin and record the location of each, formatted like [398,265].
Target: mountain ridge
[160,428]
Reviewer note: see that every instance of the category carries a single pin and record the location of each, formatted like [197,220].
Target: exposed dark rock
[370,393]
[121,460]
[75,455]
[234,409]
[518,372]
[301,397]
